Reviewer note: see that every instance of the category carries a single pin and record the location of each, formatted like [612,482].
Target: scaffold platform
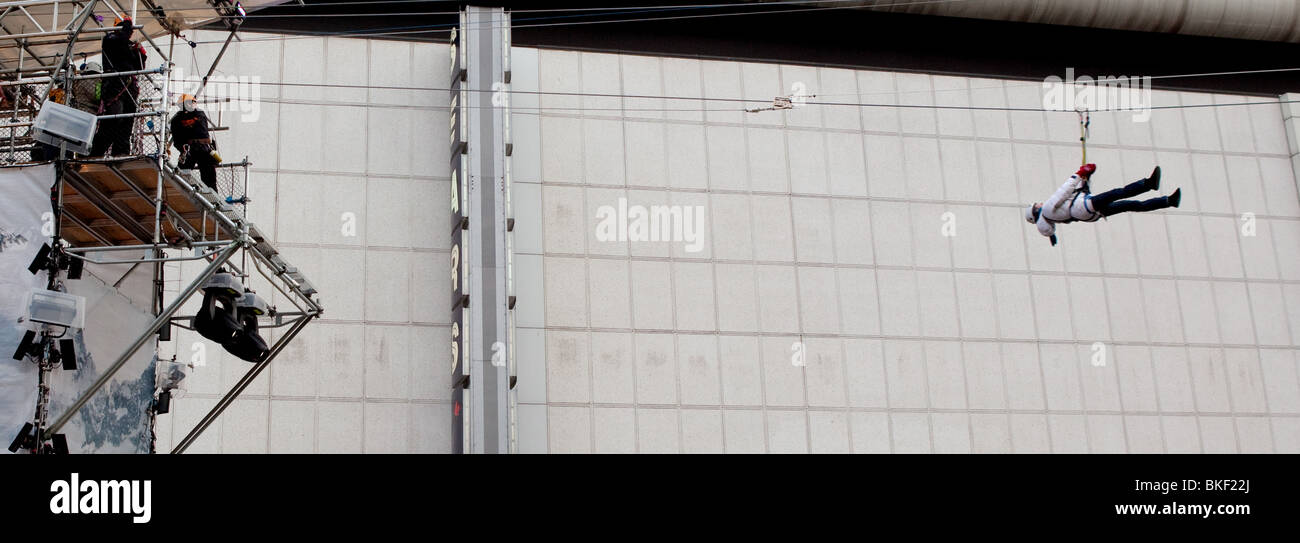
[139,200]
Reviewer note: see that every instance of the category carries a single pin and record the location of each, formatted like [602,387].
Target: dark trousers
[1109,203]
[200,156]
[115,133]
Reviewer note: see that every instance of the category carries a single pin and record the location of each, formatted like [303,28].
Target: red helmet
[1086,170]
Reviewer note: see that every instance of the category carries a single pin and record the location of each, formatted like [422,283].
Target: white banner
[117,418]
[24,208]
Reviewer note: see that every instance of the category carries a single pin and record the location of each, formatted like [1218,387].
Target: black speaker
[22,439]
[164,403]
[60,443]
[165,332]
[42,259]
[68,354]
[75,266]
[25,346]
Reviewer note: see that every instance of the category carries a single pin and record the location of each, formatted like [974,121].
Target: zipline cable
[617,10]
[1086,119]
[521,109]
[584,12]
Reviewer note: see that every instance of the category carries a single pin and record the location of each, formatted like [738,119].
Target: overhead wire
[430,29]
[423,29]
[612,96]
[610,10]
[765,10]
[581,108]
[584,12]
[1039,84]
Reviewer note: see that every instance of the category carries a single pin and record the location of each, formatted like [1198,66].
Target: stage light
[63,261]
[42,259]
[26,346]
[22,439]
[250,302]
[225,283]
[65,354]
[218,319]
[248,344]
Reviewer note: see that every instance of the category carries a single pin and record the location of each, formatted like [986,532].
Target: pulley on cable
[1085,126]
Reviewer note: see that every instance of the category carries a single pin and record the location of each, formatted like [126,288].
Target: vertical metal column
[480,253]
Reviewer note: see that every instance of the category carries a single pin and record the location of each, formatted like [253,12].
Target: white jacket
[1068,204]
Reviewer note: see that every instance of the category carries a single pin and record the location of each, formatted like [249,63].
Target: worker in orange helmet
[190,136]
[119,94]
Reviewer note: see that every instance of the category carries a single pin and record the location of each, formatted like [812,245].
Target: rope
[1085,128]
[1085,122]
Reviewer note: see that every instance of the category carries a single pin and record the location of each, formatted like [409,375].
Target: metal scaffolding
[138,200]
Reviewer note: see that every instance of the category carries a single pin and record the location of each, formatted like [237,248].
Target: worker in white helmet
[1072,202]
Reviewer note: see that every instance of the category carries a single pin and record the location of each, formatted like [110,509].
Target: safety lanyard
[1085,121]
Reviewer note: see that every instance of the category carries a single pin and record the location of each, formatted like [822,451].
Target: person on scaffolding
[190,136]
[119,94]
[1073,202]
[42,151]
[86,92]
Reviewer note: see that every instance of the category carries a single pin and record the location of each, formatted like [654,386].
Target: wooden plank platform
[111,203]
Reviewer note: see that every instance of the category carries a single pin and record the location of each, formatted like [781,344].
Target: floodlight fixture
[56,308]
[57,123]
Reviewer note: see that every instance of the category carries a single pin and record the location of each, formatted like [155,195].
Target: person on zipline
[1072,202]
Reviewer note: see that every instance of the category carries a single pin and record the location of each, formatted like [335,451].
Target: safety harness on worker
[125,82]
